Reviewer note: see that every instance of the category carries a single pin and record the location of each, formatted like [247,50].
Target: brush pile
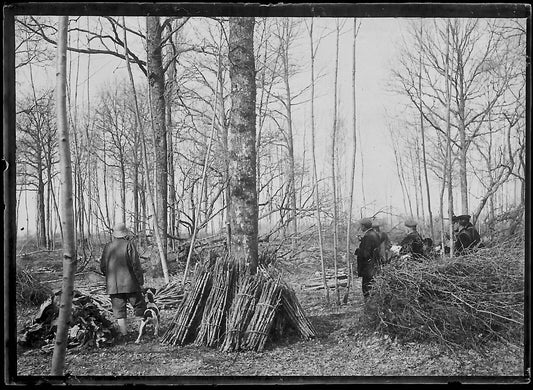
[30,290]
[170,295]
[91,324]
[232,312]
[464,301]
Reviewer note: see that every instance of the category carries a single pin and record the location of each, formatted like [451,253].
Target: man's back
[118,266]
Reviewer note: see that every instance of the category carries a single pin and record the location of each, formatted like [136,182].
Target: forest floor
[344,351]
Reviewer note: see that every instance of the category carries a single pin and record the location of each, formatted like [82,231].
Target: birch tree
[69,245]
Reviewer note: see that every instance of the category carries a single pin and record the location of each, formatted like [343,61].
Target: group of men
[373,250]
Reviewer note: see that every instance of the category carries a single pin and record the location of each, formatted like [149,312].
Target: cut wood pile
[464,301]
[170,295]
[232,312]
[91,324]
[30,289]
[317,282]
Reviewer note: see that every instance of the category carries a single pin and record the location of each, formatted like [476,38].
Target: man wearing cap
[467,237]
[368,256]
[412,243]
[124,276]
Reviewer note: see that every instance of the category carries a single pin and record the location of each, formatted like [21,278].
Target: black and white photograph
[246,193]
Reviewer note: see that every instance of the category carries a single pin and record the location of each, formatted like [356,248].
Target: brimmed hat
[461,218]
[410,223]
[120,231]
[366,223]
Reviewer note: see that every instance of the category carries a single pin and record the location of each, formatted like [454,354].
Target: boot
[122,326]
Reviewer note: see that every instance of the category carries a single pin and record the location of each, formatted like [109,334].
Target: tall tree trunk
[352,165]
[290,140]
[333,172]
[224,136]
[461,100]
[422,131]
[157,232]
[123,190]
[156,82]
[315,174]
[448,139]
[171,90]
[241,139]
[69,245]
[41,215]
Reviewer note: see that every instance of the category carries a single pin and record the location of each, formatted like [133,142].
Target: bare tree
[356,28]
[333,147]
[69,244]
[313,51]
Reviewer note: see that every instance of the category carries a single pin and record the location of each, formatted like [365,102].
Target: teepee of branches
[234,312]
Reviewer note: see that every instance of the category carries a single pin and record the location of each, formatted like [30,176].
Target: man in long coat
[368,256]
[412,243]
[467,237]
[385,245]
[124,276]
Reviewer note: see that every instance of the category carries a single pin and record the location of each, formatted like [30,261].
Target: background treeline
[457,137]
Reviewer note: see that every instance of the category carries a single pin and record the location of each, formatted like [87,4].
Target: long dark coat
[467,238]
[412,243]
[121,266]
[368,253]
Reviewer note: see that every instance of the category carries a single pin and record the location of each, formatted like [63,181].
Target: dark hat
[120,231]
[461,218]
[366,223]
[410,223]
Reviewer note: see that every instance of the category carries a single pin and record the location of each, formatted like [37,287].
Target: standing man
[467,237]
[384,246]
[124,276]
[412,243]
[368,255]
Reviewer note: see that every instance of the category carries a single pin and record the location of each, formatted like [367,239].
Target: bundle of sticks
[189,311]
[211,325]
[235,312]
[170,295]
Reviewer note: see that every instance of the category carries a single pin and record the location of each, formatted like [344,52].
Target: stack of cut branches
[241,311]
[170,295]
[259,326]
[237,311]
[317,282]
[188,315]
[29,289]
[294,313]
[211,326]
[463,301]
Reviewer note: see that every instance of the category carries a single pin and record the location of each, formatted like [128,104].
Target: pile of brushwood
[30,290]
[91,324]
[232,311]
[464,301]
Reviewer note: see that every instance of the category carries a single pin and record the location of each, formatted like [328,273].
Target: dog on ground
[151,314]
